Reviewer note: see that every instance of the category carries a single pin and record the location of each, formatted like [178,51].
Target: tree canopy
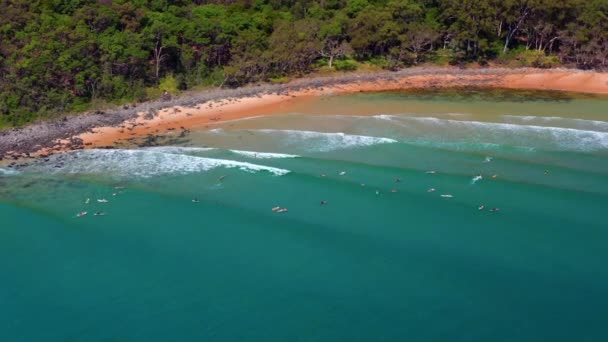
[60,55]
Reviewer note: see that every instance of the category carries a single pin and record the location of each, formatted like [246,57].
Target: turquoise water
[383,260]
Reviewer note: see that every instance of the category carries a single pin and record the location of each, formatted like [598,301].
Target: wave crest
[7,172]
[263,155]
[505,133]
[590,125]
[146,163]
[324,142]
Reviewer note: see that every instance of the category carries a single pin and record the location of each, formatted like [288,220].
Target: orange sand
[177,118]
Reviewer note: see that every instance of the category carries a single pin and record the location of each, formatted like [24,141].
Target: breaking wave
[324,142]
[590,125]
[179,149]
[148,163]
[7,172]
[263,155]
[502,133]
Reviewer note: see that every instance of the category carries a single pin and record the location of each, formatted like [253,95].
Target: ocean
[431,215]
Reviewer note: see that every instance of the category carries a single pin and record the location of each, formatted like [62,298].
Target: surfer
[81,214]
[494,210]
[195,200]
[323,202]
[342,173]
[447,196]
[102,200]
[431,190]
[282,210]
[277,208]
[221,178]
[431,172]
[481,207]
[99,213]
[87,201]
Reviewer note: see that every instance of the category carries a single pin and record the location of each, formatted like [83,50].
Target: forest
[61,56]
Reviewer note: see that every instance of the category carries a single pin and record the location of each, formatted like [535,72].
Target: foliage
[168,83]
[522,57]
[346,65]
[62,55]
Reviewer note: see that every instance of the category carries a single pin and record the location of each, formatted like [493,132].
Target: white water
[263,155]
[146,163]
[7,172]
[554,121]
[324,142]
[445,130]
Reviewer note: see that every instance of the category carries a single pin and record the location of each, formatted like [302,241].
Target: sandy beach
[179,117]
[200,110]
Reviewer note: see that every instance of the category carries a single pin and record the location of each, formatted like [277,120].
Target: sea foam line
[142,163]
[329,141]
[7,172]
[264,155]
[592,125]
[179,149]
[569,138]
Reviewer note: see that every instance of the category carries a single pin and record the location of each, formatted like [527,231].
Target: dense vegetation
[60,55]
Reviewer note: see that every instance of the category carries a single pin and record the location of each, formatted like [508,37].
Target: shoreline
[104,129]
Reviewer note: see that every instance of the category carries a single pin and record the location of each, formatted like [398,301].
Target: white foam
[8,172]
[146,163]
[178,149]
[264,155]
[560,137]
[324,142]
[386,117]
[476,179]
[393,117]
[591,125]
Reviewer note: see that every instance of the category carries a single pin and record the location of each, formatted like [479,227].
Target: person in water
[195,200]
